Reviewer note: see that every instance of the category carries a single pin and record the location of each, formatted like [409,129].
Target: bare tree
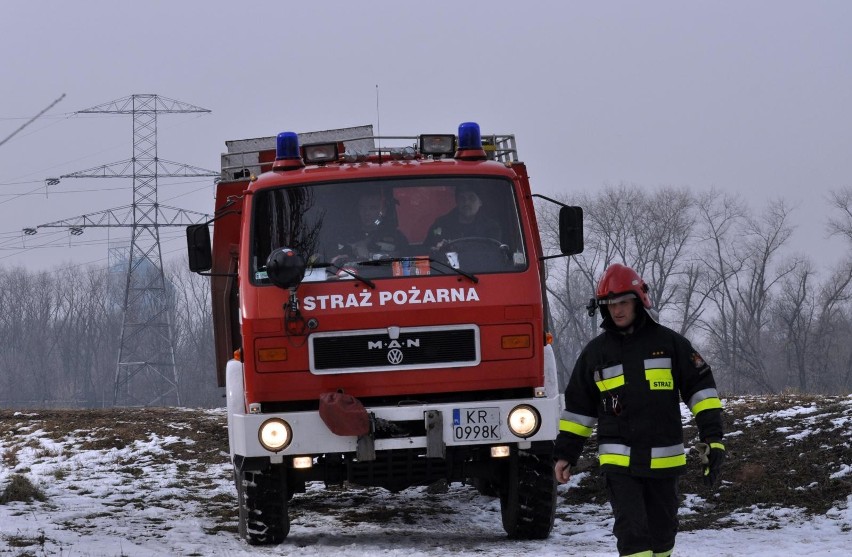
[741,255]
[192,322]
[840,224]
[814,330]
[86,340]
[649,231]
[665,248]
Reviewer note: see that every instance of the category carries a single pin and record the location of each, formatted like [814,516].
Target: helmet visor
[617,299]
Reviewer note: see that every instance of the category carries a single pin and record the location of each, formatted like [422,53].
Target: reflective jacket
[630,386]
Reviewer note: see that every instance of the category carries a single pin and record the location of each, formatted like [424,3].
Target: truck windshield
[391,228]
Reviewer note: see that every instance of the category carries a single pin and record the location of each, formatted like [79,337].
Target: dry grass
[768,463]
[20,488]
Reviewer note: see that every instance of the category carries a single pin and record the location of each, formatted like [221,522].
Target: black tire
[528,500]
[263,506]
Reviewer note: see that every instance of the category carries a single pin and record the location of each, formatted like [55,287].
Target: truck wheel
[263,507]
[528,502]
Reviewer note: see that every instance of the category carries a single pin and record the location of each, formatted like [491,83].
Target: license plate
[476,424]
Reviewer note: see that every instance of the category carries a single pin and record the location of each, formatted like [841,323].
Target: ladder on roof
[500,148]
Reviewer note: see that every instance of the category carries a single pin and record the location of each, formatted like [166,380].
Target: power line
[31,120]
[39,191]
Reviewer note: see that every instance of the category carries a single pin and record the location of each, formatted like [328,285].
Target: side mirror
[571,230]
[198,248]
[285,268]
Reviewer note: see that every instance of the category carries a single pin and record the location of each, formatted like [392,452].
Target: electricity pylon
[146,373]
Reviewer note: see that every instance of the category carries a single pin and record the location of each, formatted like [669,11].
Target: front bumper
[312,437]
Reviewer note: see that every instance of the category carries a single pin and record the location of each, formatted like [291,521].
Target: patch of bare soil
[781,452]
[197,447]
[120,427]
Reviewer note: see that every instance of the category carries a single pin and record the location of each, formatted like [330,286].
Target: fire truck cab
[380,318]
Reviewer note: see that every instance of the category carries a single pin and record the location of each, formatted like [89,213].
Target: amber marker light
[515,341]
[272,355]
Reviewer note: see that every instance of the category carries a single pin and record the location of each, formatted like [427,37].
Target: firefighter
[465,220]
[629,381]
[375,234]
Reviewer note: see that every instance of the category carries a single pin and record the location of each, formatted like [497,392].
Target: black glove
[715,456]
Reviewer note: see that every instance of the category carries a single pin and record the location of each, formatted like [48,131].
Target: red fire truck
[381,319]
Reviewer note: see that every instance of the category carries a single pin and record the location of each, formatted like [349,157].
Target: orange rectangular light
[272,355]
[515,341]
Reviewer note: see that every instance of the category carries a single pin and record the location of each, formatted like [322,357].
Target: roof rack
[245,157]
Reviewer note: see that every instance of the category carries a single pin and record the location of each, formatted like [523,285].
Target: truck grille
[395,349]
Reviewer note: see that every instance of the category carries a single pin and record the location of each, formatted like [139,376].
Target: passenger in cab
[376,234]
[465,220]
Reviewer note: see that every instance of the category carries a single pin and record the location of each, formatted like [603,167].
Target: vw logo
[395,356]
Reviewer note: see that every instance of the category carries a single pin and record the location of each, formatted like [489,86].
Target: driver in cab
[464,221]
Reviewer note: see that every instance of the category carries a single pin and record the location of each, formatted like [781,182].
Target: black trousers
[645,512]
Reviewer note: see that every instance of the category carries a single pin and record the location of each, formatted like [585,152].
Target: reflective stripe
[668,457]
[659,379]
[661,457]
[609,384]
[575,428]
[612,371]
[658,374]
[613,453]
[577,423]
[704,400]
[664,553]
[615,460]
[668,462]
[717,446]
[614,448]
[648,553]
[610,378]
[588,421]
[658,363]
[707,405]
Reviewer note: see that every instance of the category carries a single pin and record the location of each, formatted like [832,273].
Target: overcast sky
[746,96]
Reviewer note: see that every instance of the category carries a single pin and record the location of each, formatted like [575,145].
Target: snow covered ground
[117,485]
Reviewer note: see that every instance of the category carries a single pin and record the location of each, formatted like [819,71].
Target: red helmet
[618,280]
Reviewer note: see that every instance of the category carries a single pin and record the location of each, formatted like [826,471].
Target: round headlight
[275,434]
[524,420]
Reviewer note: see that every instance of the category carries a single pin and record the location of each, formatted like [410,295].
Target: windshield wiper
[350,272]
[473,278]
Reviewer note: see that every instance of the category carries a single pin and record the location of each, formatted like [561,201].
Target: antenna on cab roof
[378,124]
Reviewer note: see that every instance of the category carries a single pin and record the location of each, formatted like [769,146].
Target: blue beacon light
[469,136]
[287,146]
